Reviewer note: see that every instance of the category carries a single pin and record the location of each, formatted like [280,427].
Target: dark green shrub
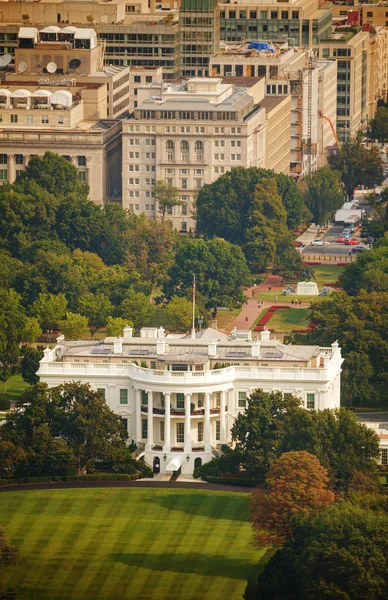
[4,404]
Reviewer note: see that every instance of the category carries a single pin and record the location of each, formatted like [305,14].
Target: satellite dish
[5,60]
[74,63]
[51,67]
[22,66]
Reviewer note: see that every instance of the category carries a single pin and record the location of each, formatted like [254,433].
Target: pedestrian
[269,288]
[258,303]
[292,301]
[262,303]
[300,302]
[246,319]
[253,293]
[276,299]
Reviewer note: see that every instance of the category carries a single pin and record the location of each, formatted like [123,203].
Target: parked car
[299,244]
[359,249]
[352,242]
[342,239]
[319,243]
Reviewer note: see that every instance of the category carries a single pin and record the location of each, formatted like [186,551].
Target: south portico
[186,426]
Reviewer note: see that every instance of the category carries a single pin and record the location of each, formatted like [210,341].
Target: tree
[115,326]
[220,269]
[224,208]
[288,262]
[10,457]
[357,164]
[296,485]
[87,424]
[342,445]
[166,196]
[324,195]
[9,555]
[97,308]
[56,175]
[258,431]
[378,126]
[369,271]
[31,331]
[137,308]
[12,324]
[75,326]
[179,314]
[49,309]
[29,363]
[339,553]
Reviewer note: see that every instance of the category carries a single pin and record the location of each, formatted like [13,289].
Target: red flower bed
[309,329]
[265,318]
[342,264]
[308,262]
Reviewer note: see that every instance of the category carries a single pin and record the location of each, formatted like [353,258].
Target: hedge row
[91,477]
[236,481]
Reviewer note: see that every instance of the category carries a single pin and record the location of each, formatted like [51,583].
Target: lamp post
[49,334]
[200,322]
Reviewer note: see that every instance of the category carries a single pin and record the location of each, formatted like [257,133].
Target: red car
[299,244]
[352,242]
[342,240]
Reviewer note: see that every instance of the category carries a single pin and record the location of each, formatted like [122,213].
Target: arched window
[198,146]
[184,146]
[170,145]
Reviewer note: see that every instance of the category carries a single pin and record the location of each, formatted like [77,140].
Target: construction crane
[321,116]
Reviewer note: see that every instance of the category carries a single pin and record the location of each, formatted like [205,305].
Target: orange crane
[332,128]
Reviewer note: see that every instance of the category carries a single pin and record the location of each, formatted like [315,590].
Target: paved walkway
[194,485]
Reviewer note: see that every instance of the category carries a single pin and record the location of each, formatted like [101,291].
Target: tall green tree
[75,326]
[357,164]
[324,195]
[87,424]
[49,309]
[29,364]
[166,195]
[179,314]
[12,323]
[96,308]
[220,269]
[378,126]
[137,308]
[258,431]
[340,553]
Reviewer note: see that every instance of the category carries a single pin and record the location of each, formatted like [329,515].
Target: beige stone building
[190,133]
[58,100]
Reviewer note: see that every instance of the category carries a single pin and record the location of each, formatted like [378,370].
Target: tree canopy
[357,164]
[378,126]
[324,195]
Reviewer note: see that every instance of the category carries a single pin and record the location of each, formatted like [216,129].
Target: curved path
[22,487]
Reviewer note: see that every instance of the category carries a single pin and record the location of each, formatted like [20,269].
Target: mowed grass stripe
[135,544]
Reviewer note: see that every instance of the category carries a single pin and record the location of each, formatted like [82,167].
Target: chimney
[265,335]
[46,355]
[212,348]
[127,332]
[255,348]
[118,345]
[161,346]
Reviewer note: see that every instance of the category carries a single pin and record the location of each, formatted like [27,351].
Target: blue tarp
[260,46]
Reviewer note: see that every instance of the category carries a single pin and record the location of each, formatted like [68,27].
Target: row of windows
[30,120]
[263,14]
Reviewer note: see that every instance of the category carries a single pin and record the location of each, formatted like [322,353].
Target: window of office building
[14,119]
[3,159]
[3,174]
[81,161]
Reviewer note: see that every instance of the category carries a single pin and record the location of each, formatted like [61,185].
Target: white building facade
[181,403]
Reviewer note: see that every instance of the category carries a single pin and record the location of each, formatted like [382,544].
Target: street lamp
[49,334]
[188,458]
[200,322]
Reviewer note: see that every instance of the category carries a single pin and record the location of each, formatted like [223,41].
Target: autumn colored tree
[297,485]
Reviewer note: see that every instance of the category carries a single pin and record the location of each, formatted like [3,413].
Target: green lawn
[126,543]
[284,321]
[327,274]
[225,318]
[15,386]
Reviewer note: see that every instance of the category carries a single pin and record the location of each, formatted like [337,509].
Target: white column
[138,416]
[150,429]
[207,423]
[167,422]
[187,423]
[222,418]
[11,168]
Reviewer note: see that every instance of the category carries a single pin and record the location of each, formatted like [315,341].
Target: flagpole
[193,328]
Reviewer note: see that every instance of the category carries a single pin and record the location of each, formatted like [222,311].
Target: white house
[179,396]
